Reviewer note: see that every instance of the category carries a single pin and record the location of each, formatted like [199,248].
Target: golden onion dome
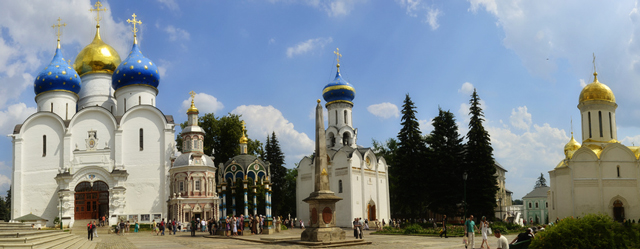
[572,145]
[243,139]
[192,109]
[97,57]
[596,91]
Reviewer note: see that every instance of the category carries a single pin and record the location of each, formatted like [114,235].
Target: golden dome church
[97,145]
[601,174]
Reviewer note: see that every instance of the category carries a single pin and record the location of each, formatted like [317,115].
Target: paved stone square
[184,240]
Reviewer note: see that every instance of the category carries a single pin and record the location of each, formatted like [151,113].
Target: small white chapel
[355,173]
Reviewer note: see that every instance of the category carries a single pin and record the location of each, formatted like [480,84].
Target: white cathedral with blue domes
[355,173]
[97,145]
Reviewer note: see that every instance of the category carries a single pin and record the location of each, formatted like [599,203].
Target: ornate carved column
[233,199]
[246,202]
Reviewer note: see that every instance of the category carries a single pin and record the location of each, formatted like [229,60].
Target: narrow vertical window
[141,140]
[51,107]
[336,117]
[589,117]
[151,101]
[181,186]
[139,100]
[618,169]
[66,115]
[600,122]
[111,109]
[44,145]
[340,186]
[610,126]
[345,117]
[198,185]
[125,105]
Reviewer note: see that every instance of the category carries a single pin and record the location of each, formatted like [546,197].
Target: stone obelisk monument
[322,201]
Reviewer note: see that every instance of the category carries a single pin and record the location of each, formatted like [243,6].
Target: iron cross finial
[97,10]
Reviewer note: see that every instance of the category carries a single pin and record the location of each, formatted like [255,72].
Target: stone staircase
[19,235]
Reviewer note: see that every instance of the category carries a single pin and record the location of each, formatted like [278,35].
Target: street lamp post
[464,200]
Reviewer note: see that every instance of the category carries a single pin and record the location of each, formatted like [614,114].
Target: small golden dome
[192,109]
[243,139]
[97,57]
[596,91]
[572,145]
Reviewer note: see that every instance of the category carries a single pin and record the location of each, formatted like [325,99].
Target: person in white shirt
[503,243]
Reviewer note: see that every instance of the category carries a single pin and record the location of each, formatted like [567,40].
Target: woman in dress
[484,224]
[137,227]
[228,226]
[234,223]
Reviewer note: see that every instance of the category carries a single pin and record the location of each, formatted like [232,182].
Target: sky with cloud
[268,60]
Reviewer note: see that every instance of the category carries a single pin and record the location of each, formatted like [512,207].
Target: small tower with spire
[243,140]
[193,134]
[339,95]
[597,106]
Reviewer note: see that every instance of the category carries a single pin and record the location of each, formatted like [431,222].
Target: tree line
[426,171]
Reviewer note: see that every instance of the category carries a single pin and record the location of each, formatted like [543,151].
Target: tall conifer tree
[445,165]
[480,165]
[278,173]
[408,193]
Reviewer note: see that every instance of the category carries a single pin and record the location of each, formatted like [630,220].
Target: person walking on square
[484,227]
[355,227]
[194,225]
[122,227]
[502,241]
[90,231]
[155,226]
[95,229]
[469,230]
[444,227]
[234,224]
[162,224]
[173,226]
[136,227]
[360,226]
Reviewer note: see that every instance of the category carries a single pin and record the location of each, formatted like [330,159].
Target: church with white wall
[97,145]
[601,174]
[355,173]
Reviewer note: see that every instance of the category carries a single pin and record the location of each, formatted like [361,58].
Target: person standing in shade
[194,226]
[470,227]
[503,243]
[444,227]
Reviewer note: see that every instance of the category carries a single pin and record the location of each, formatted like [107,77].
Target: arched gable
[584,154]
[93,118]
[93,109]
[92,174]
[59,124]
[617,152]
[624,201]
[382,166]
[132,112]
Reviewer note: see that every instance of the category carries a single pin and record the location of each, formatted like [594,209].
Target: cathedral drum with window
[601,174]
[97,145]
[355,173]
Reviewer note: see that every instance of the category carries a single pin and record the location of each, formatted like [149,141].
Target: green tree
[7,217]
[479,164]
[516,202]
[275,157]
[541,182]
[222,137]
[289,192]
[387,150]
[446,150]
[407,195]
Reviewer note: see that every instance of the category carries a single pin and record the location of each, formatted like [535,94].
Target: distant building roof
[499,166]
[30,217]
[537,193]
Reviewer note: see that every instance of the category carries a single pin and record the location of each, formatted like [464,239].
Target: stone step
[32,238]
[75,243]
[55,242]
[24,233]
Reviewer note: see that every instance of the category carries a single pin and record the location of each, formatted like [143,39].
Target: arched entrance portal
[91,202]
[618,210]
[371,211]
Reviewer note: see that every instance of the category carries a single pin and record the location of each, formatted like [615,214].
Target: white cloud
[170,4]
[582,83]
[520,119]
[384,110]
[204,102]
[416,8]
[432,17]
[162,67]
[272,41]
[332,7]
[489,5]
[263,120]
[13,115]
[466,88]
[177,33]
[426,126]
[325,114]
[308,46]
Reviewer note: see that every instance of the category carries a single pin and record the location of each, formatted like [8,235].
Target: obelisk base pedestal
[323,234]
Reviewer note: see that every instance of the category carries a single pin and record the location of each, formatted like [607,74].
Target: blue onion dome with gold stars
[338,90]
[136,69]
[57,76]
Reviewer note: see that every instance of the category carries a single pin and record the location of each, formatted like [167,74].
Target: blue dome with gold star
[136,69]
[57,76]
[338,90]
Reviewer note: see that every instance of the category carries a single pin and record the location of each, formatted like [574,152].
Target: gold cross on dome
[97,10]
[243,127]
[59,26]
[594,62]
[193,94]
[134,21]
[338,55]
